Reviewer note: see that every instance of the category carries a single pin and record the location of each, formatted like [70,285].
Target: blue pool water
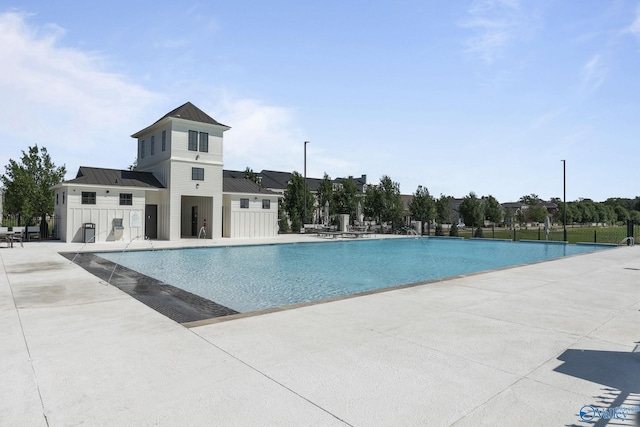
[251,278]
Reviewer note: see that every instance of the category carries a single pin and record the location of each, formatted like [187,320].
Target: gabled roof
[243,185]
[280,180]
[186,111]
[232,174]
[275,179]
[115,177]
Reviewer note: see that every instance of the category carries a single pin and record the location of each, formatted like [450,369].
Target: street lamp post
[304,218]
[564,197]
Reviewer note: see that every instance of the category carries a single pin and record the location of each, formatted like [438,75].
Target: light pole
[305,184]
[564,196]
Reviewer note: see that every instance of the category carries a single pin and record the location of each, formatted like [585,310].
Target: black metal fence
[49,228]
[575,234]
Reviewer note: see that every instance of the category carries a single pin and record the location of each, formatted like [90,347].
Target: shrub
[284,224]
[478,232]
[295,224]
[453,232]
[439,230]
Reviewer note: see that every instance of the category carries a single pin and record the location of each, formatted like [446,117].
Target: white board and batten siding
[251,222]
[102,213]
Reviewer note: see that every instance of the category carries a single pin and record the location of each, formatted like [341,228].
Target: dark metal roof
[280,180]
[188,111]
[242,185]
[115,177]
[233,174]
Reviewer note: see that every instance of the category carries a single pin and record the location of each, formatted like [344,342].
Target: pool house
[178,190]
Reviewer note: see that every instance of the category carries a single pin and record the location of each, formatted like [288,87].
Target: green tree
[294,197]
[471,210]
[422,206]
[283,222]
[622,214]
[392,207]
[492,210]
[28,184]
[325,194]
[530,199]
[345,198]
[509,216]
[444,213]
[535,213]
[253,176]
[372,206]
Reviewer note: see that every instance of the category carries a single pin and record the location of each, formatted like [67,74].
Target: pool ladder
[628,240]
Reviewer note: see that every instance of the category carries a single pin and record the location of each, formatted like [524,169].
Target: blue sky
[484,96]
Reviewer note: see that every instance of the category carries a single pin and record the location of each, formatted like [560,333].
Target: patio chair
[32,232]
[18,234]
[4,233]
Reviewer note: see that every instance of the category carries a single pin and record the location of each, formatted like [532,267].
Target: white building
[176,190]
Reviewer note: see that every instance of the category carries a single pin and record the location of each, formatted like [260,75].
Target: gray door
[151,221]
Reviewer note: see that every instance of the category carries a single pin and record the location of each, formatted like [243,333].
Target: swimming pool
[250,278]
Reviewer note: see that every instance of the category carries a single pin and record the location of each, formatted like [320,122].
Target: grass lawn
[574,234]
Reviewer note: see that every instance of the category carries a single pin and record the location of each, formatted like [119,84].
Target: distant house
[178,190]
[516,207]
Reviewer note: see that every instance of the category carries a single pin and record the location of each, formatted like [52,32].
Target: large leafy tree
[492,210]
[294,197]
[444,213]
[472,210]
[530,199]
[422,206]
[325,193]
[534,212]
[345,198]
[372,207]
[392,207]
[28,184]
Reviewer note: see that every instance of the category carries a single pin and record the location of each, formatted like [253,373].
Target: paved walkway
[523,346]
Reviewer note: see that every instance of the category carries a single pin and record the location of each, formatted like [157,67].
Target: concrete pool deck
[529,345]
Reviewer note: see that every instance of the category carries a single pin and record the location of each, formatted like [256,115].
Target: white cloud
[593,73]
[267,137]
[64,99]
[261,135]
[634,28]
[494,24]
[69,101]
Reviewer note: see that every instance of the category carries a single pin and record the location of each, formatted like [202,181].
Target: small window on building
[57,198]
[153,145]
[164,140]
[126,199]
[244,203]
[204,142]
[266,204]
[142,149]
[197,174]
[88,197]
[193,140]
[63,197]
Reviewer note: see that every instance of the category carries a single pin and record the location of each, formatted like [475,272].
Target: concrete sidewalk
[524,346]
